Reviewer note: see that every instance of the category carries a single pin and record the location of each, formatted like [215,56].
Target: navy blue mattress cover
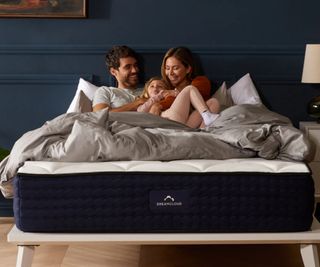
[164,202]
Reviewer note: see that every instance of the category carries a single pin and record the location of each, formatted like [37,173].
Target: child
[157,93]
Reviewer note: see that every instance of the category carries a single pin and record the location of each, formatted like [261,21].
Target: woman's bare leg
[180,108]
[195,119]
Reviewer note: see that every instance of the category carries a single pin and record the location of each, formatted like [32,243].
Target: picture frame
[43,8]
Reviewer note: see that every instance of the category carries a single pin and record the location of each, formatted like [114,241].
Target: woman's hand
[172,93]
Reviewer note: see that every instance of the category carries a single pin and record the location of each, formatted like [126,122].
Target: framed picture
[43,8]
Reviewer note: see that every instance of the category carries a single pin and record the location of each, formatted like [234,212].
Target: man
[122,63]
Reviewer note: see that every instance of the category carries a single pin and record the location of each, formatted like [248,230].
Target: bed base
[27,242]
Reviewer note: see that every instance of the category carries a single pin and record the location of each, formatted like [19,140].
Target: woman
[156,92]
[178,70]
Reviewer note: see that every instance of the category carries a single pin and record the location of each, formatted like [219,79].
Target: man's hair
[117,52]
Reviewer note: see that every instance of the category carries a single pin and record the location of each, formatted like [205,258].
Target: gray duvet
[240,132]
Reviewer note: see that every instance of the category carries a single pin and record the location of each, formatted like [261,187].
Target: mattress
[183,196]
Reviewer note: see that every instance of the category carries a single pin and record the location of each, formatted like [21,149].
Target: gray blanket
[240,132]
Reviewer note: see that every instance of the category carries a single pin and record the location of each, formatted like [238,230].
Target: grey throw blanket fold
[240,132]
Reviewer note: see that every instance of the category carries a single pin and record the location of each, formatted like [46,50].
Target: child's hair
[145,93]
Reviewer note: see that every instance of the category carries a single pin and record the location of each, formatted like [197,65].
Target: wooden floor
[153,256]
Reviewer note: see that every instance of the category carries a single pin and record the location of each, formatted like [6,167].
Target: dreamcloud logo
[169,200]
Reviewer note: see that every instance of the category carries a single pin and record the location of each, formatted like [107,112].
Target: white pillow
[223,97]
[244,91]
[88,89]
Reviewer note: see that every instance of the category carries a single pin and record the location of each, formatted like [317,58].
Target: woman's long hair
[184,55]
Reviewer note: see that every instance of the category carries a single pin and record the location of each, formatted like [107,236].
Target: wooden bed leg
[25,256]
[309,255]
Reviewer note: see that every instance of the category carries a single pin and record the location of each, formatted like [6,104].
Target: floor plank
[221,255]
[101,255]
[8,252]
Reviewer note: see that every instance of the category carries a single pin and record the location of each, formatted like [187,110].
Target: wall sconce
[311,74]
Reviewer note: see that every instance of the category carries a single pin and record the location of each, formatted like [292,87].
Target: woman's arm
[203,84]
[167,102]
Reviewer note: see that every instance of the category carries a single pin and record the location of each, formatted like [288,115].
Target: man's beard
[132,81]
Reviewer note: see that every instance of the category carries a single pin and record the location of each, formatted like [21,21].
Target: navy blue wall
[41,60]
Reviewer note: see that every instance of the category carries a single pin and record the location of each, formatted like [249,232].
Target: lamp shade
[311,66]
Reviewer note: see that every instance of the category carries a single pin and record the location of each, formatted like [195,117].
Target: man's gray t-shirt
[114,97]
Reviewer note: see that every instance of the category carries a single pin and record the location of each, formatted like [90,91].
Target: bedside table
[312,131]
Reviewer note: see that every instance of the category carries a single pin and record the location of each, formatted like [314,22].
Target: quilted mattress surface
[248,195]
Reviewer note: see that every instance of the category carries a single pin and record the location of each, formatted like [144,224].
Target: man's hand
[139,101]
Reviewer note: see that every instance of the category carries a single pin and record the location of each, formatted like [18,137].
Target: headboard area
[41,59]
[28,100]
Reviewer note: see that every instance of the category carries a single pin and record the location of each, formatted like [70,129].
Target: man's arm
[99,107]
[132,106]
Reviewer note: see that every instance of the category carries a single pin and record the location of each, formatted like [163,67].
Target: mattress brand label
[169,200]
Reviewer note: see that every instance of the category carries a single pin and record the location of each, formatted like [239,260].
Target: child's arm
[156,109]
[146,106]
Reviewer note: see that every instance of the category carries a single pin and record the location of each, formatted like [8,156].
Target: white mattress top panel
[230,165]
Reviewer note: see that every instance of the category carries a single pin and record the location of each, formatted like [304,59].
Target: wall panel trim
[43,78]
[74,78]
[101,49]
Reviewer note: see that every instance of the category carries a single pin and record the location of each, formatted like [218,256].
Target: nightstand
[312,131]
